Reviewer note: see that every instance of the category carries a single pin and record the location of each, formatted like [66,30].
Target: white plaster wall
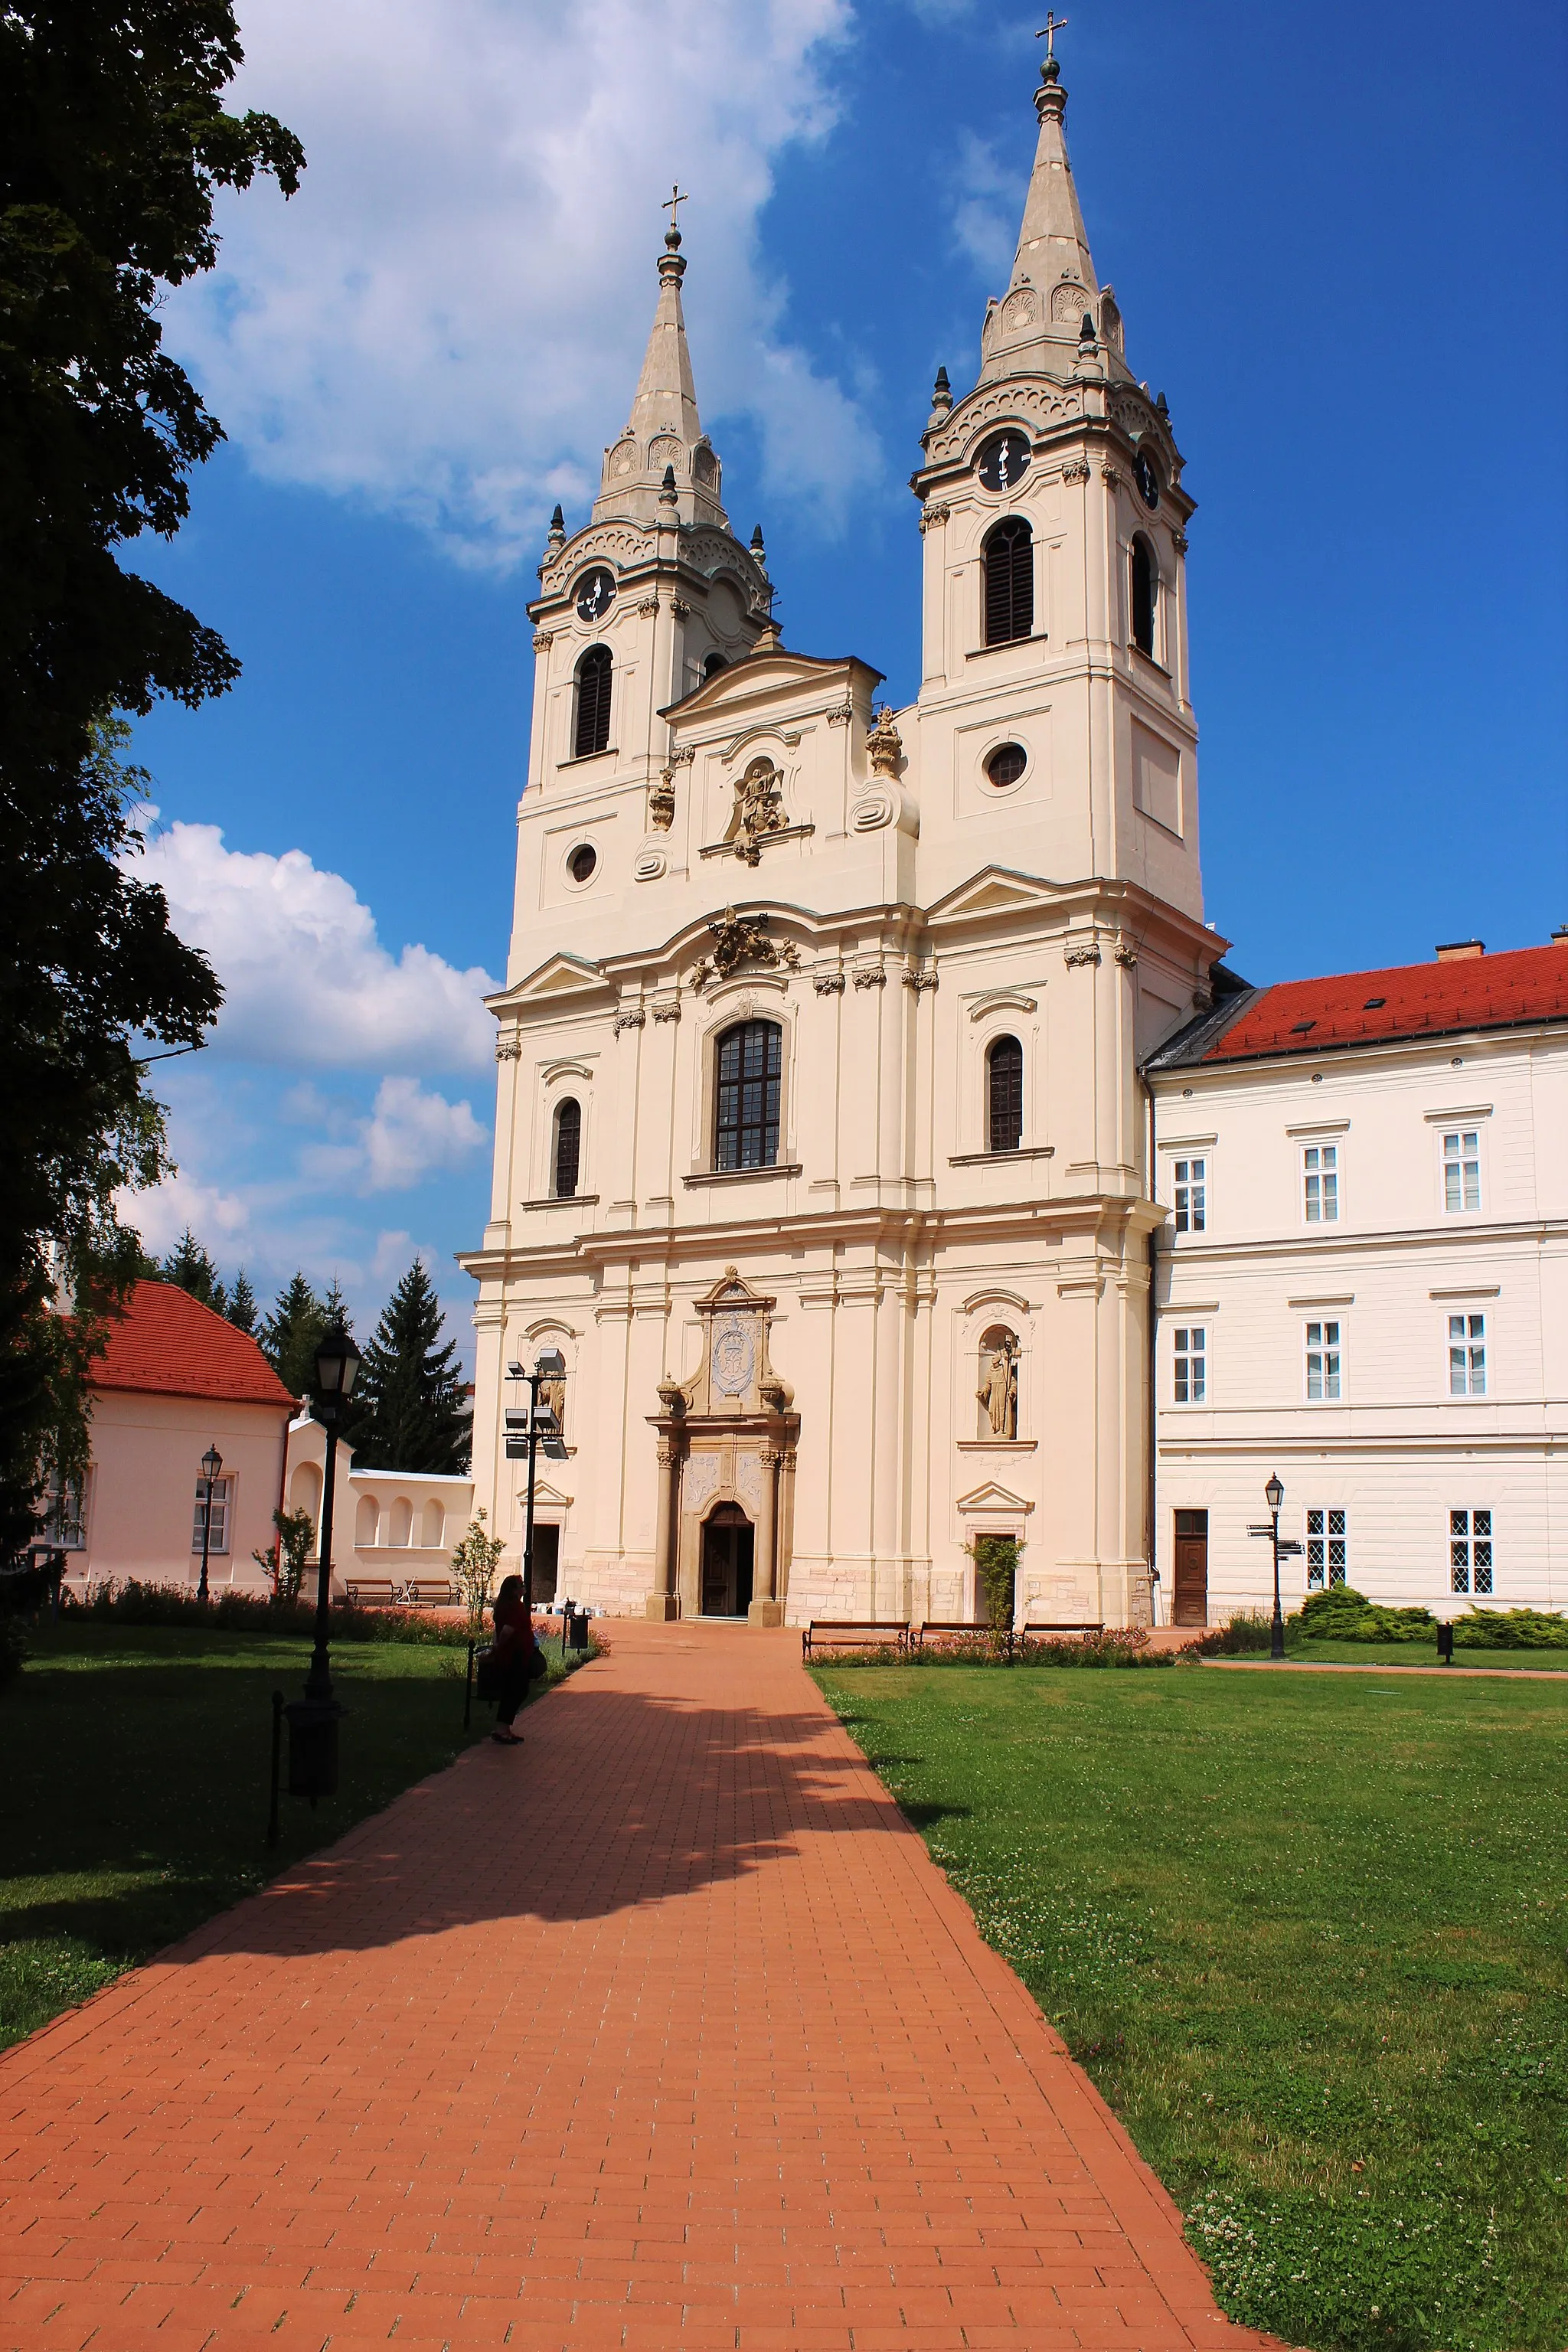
[143,1488]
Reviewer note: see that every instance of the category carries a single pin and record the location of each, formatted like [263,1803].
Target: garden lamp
[211,1463]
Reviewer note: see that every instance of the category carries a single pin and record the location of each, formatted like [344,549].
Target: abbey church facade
[824,1151]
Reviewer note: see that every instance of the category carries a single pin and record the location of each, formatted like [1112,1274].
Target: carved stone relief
[740,938]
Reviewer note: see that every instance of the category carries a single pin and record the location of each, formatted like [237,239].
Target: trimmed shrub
[1510,1629]
[1343,1614]
[1242,1636]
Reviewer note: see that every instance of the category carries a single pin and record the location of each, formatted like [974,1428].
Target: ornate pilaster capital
[509,1049]
[874,978]
[633,1018]
[1074,957]
[828,984]
[543,640]
[920,980]
[933,516]
[1076,470]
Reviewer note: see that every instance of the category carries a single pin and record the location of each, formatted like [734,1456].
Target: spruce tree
[242,1305]
[415,1415]
[291,1334]
[189,1266]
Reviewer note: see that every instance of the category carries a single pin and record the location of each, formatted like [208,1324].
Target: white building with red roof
[1363,1286]
[175,1380]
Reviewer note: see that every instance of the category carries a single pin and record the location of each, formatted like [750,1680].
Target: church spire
[664,433]
[1037,326]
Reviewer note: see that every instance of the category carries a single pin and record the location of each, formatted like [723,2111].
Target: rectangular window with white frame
[1325,1363]
[1191,1363]
[1328,1548]
[219,1542]
[1321,1183]
[1467,1355]
[63,1519]
[1190,1184]
[1461,1170]
[1471,1550]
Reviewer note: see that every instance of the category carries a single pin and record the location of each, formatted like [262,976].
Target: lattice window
[1321,1183]
[1467,1355]
[1192,1363]
[1328,1549]
[1191,1190]
[1462,1170]
[749,1064]
[1471,1550]
[1005,1094]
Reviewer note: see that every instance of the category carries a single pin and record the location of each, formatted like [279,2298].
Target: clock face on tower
[1147,480]
[596,595]
[1003,460]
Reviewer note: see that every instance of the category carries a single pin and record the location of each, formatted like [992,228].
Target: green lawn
[1308,1936]
[1418,1653]
[134,1765]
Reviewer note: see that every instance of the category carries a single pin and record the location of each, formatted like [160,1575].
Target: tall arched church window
[1009,581]
[568,1151]
[1005,1094]
[1145,589]
[593,702]
[746,1096]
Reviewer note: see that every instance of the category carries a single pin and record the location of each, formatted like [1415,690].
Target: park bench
[940,1626]
[855,1633]
[413,1592]
[1054,1629]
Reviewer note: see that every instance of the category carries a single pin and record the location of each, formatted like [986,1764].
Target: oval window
[582,862]
[1007,764]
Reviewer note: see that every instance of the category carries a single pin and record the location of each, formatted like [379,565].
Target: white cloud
[307,982]
[448,319]
[409,1135]
[219,1219]
[987,210]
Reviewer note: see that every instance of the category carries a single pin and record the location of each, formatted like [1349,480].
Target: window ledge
[985,1159]
[997,1445]
[1036,638]
[762,841]
[582,759]
[744,1175]
[562,1201]
[1149,663]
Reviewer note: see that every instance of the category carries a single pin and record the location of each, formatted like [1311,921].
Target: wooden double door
[729,1546]
[1190,1590]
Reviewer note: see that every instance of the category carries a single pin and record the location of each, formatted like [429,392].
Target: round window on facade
[583,862]
[1007,764]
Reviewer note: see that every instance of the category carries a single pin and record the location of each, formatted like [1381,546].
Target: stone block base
[765,1612]
[659,1606]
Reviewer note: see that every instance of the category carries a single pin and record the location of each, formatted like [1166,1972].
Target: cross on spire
[671,204]
[1052,27]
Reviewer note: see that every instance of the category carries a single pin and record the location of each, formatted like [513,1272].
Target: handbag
[487,1675]
[538,1665]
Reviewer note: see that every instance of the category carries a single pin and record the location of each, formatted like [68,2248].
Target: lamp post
[551,1366]
[313,1720]
[211,1463]
[1274,1494]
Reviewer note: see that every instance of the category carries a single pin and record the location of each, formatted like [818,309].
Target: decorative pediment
[993,1498]
[995,890]
[560,975]
[732,1289]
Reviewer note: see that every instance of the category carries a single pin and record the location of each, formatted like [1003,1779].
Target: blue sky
[1340,245]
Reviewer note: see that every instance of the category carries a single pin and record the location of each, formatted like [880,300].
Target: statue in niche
[998,1390]
[758,811]
[553,1397]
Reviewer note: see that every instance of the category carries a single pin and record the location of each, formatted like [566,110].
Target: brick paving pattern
[661,2030]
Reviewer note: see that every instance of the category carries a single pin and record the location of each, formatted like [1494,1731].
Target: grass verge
[1308,1936]
[134,1761]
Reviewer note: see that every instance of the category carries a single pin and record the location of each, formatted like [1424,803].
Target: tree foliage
[414,1414]
[291,1334]
[113,141]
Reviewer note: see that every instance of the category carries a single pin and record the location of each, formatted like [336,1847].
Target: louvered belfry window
[746,1124]
[1009,581]
[593,702]
[1146,594]
[568,1150]
[1004,1071]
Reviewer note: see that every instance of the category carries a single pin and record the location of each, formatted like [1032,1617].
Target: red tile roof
[168,1344]
[1361,1008]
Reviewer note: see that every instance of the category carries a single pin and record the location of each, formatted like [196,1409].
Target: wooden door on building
[728,1543]
[1190,1599]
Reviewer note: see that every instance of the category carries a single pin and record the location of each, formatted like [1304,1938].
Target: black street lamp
[313,1720]
[1274,1494]
[211,1463]
[551,1366]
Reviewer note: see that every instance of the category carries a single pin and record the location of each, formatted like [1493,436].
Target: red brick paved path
[661,2030]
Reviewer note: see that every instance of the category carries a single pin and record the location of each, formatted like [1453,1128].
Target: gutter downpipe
[1152,1485]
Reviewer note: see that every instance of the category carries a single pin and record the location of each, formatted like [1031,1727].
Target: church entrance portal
[728,1545]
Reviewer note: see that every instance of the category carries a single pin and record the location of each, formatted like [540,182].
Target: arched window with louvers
[1005,1095]
[567,1156]
[1145,596]
[1009,567]
[748,1069]
[593,728]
